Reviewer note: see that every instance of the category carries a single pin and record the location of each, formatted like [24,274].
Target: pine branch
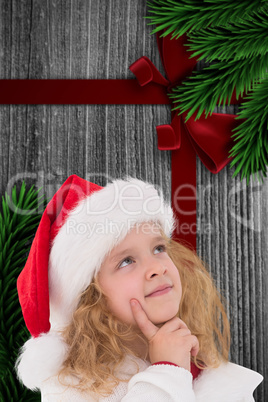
[178,17]
[216,83]
[9,391]
[244,39]
[251,136]
[18,222]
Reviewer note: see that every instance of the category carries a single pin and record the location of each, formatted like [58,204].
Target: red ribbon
[80,92]
[209,138]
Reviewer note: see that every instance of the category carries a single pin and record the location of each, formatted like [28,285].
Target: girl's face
[135,269]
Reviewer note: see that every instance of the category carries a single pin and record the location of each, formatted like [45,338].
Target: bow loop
[146,72]
[210,139]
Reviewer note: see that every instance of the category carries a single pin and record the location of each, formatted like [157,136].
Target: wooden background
[84,39]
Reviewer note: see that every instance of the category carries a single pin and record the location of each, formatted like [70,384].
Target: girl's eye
[125,262]
[160,249]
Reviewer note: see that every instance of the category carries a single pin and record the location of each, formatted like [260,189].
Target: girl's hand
[173,342]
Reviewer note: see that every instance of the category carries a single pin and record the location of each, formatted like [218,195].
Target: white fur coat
[229,382]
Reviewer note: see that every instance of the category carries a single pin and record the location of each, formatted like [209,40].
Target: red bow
[209,138]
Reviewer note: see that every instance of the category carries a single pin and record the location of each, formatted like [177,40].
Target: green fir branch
[251,149]
[216,83]
[244,39]
[19,220]
[178,17]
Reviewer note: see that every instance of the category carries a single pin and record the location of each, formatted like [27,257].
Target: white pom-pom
[40,358]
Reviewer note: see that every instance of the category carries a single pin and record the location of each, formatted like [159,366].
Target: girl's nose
[153,268]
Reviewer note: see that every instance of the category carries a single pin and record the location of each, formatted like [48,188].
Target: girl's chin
[160,322]
[161,316]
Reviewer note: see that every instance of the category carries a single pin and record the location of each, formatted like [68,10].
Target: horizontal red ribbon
[81,92]
[84,92]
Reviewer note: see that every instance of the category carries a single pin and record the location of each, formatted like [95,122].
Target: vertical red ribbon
[183,189]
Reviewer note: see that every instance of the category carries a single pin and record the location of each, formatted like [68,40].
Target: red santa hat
[79,227]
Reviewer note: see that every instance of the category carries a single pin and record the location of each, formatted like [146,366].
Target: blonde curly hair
[98,341]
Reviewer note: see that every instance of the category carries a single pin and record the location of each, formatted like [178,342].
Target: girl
[117,310]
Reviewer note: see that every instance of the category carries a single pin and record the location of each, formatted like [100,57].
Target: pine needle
[216,83]
[19,219]
[235,41]
[178,17]
[251,149]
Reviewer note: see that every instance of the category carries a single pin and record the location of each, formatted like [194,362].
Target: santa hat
[79,227]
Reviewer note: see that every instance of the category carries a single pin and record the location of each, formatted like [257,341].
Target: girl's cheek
[131,290]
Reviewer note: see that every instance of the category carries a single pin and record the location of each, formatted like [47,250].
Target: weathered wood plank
[236,250]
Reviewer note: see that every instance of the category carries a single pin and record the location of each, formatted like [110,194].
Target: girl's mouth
[160,292]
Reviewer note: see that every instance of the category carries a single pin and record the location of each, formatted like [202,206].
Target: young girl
[117,310]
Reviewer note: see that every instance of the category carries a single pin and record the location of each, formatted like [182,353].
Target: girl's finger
[195,345]
[146,326]
[184,332]
[173,325]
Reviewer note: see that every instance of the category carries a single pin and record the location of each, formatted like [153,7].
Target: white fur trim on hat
[41,358]
[92,229]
